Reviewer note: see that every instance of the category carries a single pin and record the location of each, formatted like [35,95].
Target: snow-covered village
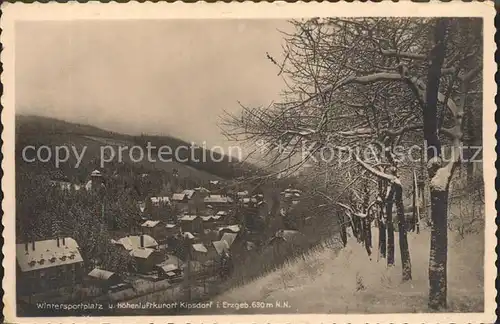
[358,187]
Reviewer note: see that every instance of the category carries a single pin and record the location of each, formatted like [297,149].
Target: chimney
[58,241]
[64,241]
[33,245]
[26,246]
[142,241]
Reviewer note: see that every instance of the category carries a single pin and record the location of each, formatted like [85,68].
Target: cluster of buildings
[206,227]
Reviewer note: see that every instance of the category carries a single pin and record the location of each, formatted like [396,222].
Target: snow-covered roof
[100,274]
[150,223]
[47,254]
[242,193]
[188,235]
[178,196]
[134,241]
[201,189]
[229,238]
[168,267]
[198,247]
[64,185]
[189,193]
[233,228]
[142,253]
[160,200]
[218,199]
[222,213]
[220,246]
[188,218]
[249,200]
[170,225]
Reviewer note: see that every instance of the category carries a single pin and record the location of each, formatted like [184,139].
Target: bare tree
[365,83]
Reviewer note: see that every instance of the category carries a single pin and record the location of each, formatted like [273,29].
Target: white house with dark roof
[48,264]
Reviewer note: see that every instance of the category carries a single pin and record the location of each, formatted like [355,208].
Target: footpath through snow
[347,281]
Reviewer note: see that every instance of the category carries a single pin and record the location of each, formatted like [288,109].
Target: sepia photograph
[223,164]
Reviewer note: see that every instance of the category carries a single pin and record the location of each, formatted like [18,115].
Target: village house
[234,242]
[188,236]
[103,279]
[242,194]
[221,249]
[160,201]
[202,254]
[249,201]
[190,201]
[171,229]
[209,235]
[219,202]
[135,241]
[224,217]
[155,229]
[64,186]
[229,229]
[144,249]
[290,198]
[215,185]
[191,223]
[202,191]
[208,222]
[169,271]
[48,264]
[96,181]
[159,208]
[146,259]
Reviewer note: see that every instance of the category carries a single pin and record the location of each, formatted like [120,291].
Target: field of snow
[348,281]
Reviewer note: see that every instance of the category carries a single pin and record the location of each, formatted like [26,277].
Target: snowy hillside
[347,281]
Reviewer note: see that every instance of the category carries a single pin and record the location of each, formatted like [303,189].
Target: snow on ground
[347,281]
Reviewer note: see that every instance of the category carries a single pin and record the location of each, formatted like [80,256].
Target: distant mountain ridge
[31,129]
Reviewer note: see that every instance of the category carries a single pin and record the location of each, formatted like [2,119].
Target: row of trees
[45,212]
[362,89]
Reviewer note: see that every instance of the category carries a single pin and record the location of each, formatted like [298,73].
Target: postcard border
[37,11]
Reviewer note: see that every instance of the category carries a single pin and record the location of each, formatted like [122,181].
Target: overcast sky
[156,77]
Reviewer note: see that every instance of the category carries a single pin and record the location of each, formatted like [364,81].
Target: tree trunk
[403,240]
[343,230]
[439,250]
[390,230]
[382,234]
[367,235]
[439,197]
